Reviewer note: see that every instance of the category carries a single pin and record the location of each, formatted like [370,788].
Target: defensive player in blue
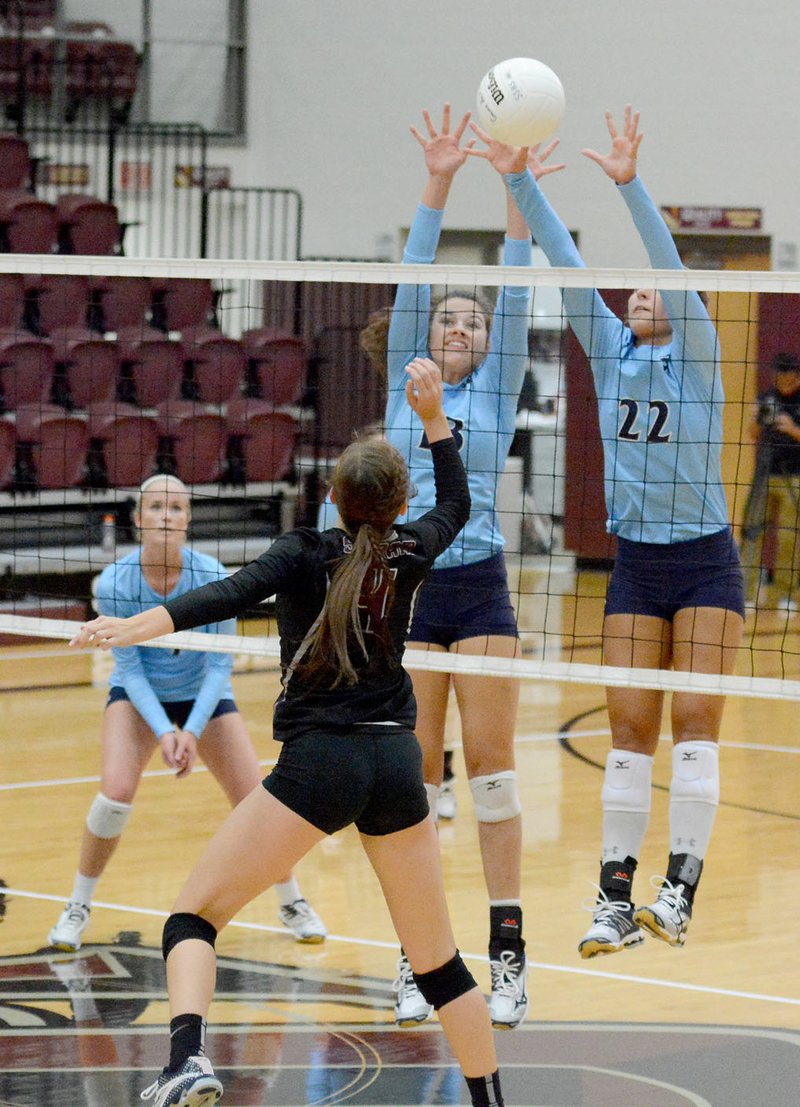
[676,594]
[465,606]
[181,701]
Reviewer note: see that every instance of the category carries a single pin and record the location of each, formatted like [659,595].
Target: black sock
[505,929]
[616,879]
[187,1034]
[448,765]
[484,1091]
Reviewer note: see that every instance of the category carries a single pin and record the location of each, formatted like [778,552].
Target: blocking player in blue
[675,595]
[465,606]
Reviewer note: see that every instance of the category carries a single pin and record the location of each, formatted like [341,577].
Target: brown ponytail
[371,485]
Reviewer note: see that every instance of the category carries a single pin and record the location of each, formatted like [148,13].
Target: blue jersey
[481,409]
[660,407]
[155,676]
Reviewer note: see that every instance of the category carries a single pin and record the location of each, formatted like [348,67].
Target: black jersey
[297,569]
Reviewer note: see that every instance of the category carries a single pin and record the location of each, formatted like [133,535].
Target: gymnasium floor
[716,1023]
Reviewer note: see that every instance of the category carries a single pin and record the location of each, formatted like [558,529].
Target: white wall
[334,85]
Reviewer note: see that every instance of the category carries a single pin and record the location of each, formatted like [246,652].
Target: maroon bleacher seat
[277,364]
[26,69]
[197,435]
[90,364]
[27,365]
[130,440]
[56,301]
[215,365]
[87,225]
[28,225]
[15,161]
[8,450]
[12,300]
[59,441]
[99,67]
[120,302]
[151,365]
[180,302]
[266,438]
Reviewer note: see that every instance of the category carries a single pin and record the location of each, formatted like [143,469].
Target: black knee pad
[448,982]
[182,925]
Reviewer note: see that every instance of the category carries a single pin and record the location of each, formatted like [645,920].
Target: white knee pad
[695,773]
[496,797]
[627,782]
[107,818]
[433,797]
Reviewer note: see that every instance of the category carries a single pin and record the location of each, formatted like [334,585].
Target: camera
[767,411]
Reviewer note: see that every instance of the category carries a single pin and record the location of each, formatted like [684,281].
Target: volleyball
[520,102]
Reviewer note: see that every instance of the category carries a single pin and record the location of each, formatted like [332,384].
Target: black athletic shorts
[467,601]
[179,710]
[370,776]
[661,579]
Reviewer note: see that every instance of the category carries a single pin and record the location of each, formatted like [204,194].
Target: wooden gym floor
[715,1023]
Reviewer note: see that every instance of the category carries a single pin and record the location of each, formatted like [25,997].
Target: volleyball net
[247,379]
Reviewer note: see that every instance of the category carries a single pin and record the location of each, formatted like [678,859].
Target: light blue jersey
[660,407]
[481,409]
[155,676]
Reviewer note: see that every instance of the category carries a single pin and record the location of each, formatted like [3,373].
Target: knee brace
[627,782]
[433,797]
[495,796]
[448,982]
[182,925]
[107,818]
[695,773]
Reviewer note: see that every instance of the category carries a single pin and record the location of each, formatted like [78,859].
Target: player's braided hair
[371,485]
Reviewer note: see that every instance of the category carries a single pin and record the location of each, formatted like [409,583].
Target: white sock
[626,804]
[83,889]
[693,797]
[288,893]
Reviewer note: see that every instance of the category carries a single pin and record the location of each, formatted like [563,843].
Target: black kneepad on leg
[183,925]
[448,982]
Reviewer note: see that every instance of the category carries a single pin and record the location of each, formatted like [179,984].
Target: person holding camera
[775,492]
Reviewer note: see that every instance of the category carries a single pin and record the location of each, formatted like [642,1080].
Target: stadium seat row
[106,304]
[75,366]
[116,445]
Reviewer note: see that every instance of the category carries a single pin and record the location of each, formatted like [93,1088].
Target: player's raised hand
[424,389]
[504,158]
[537,158]
[620,163]
[443,151]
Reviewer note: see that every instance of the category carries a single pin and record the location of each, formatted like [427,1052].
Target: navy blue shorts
[468,601]
[651,578]
[367,775]
[178,711]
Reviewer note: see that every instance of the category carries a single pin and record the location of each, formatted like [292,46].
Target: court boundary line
[375,943]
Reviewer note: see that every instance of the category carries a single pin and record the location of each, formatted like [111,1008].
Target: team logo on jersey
[456,427]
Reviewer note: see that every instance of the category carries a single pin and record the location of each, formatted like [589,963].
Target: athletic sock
[289,892]
[505,927]
[187,1038]
[484,1091]
[83,889]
